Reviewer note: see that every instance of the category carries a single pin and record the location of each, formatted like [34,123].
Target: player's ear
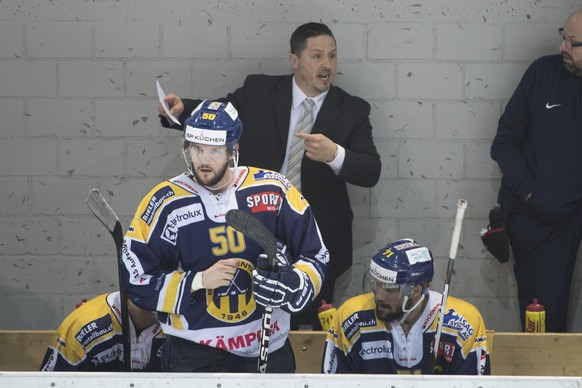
[417,290]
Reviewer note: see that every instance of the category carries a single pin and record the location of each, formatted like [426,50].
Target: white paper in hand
[161,96]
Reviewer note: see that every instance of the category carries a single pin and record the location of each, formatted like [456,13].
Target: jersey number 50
[227,240]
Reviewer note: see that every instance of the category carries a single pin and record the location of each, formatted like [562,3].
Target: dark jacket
[538,144]
[264,106]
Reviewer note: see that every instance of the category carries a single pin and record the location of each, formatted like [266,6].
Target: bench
[512,354]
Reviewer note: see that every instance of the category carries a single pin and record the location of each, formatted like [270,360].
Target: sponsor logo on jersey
[431,313]
[376,349]
[262,175]
[185,184]
[331,364]
[367,318]
[447,349]
[115,308]
[133,266]
[233,303]
[108,355]
[241,175]
[248,341]
[181,217]
[460,324]
[61,342]
[93,330]
[155,202]
[269,201]
[50,363]
[352,324]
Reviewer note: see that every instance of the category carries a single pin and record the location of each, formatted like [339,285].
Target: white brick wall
[78,108]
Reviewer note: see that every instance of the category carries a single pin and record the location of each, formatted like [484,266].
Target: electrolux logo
[181,217]
[375,349]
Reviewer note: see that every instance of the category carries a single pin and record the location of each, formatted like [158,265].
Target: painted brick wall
[78,107]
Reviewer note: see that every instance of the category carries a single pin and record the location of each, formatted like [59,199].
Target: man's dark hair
[305,31]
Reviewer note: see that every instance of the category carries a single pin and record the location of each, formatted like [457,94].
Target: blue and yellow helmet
[402,262]
[213,123]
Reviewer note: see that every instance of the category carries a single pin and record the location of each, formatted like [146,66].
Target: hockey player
[201,275]
[90,339]
[391,329]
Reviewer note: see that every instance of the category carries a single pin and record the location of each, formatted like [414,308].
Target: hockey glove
[285,287]
[280,260]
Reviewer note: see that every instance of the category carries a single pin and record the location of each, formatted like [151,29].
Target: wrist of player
[198,282]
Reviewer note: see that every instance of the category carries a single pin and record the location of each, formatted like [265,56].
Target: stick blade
[253,229]
[101,209]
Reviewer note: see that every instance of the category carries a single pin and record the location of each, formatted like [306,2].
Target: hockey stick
[101,209]
[461,206]
[255,230]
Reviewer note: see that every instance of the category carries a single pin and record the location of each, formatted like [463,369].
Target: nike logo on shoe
[548,106]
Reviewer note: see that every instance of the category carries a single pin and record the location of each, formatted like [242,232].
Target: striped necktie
[297,150]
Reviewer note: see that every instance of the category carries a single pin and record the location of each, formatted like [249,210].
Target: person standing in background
[537,147]
[338,143]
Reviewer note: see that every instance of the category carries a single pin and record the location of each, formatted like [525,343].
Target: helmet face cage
[213,123]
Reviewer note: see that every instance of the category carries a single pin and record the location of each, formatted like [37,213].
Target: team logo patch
[181,217]
[233,303]
[155,202]
[264,202]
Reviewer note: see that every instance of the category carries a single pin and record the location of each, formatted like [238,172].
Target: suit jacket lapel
[282,98]
[330,111]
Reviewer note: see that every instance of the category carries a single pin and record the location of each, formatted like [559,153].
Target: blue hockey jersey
[89,340]
[180,229]
[358,342]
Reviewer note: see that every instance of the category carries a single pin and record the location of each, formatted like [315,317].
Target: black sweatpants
[545,256]
[180,355]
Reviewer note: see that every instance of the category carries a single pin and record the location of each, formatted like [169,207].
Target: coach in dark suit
[339,148]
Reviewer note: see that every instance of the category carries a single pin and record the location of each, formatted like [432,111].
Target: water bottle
[325,313]
[535,318]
